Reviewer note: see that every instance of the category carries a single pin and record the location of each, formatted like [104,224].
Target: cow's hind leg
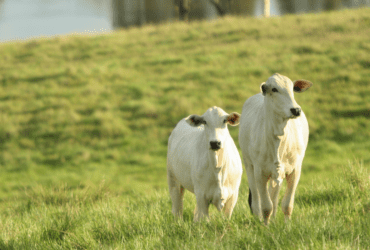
[274,195]
[176,193]
[253,199]
[230,204]
[288,200]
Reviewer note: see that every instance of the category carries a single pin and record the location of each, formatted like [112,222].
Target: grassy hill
[84,125]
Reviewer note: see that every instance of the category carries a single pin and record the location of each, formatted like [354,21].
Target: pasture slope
[85,120]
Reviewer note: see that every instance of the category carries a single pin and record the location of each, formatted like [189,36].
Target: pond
[22,19]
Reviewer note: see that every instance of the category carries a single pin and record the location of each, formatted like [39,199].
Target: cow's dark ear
[301,86]
[195,120]
[263,88]
[233,119]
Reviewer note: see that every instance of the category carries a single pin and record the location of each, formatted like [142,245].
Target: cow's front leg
[274,195]
[288,200]
[266,203]
[201,209]
[176,193]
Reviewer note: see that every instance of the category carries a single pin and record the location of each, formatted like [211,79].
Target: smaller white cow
[202,158]
[273,136]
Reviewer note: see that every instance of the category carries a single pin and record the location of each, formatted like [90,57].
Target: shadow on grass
[321,197]
[62,195]
[352,113]
[37,79]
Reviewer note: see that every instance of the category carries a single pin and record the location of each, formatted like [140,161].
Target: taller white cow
[273,136]
[202,158]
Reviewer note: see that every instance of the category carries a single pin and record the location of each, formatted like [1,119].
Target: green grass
[328,215]
[84,124]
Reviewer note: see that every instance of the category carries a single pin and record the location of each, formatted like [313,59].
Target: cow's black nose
[215,145]
[296,111]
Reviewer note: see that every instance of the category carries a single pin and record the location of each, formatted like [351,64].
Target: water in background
[24,19]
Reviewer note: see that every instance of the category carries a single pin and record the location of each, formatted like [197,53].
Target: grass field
[84,124]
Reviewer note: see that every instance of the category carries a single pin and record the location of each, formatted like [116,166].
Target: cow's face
[215,122]
[279,95]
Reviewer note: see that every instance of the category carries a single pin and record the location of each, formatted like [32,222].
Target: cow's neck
[274,133]
[216,159]
[274,123]
[217,164]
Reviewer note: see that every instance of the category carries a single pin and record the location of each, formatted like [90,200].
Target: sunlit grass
[327,215]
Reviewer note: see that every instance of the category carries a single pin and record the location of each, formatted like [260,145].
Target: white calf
[273,136]
[202,158]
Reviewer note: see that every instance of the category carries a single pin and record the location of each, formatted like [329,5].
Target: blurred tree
[159,10]
[202,9]
[313,5]
[266,8]
[226,5]
[222,6]
[332,4]
[183,6]
[296,6]
[287,6]
[242,7]
[128,13]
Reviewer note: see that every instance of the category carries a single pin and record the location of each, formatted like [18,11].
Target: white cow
[273,136]
[202,158]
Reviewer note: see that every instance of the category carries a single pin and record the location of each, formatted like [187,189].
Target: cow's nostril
[215,145]
[296,111]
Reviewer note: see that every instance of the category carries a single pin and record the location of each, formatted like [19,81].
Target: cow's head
[278,91]
[215,122]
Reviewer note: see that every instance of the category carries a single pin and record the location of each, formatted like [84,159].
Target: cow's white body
[273,143]
[213,176]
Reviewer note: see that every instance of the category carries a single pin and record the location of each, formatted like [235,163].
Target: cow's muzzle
[296,111]
[215,145]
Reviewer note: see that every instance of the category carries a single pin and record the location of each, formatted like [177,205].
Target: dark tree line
[294,6]
[138,12]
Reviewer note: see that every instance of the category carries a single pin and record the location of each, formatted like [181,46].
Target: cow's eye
[225,120]
[274,90]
